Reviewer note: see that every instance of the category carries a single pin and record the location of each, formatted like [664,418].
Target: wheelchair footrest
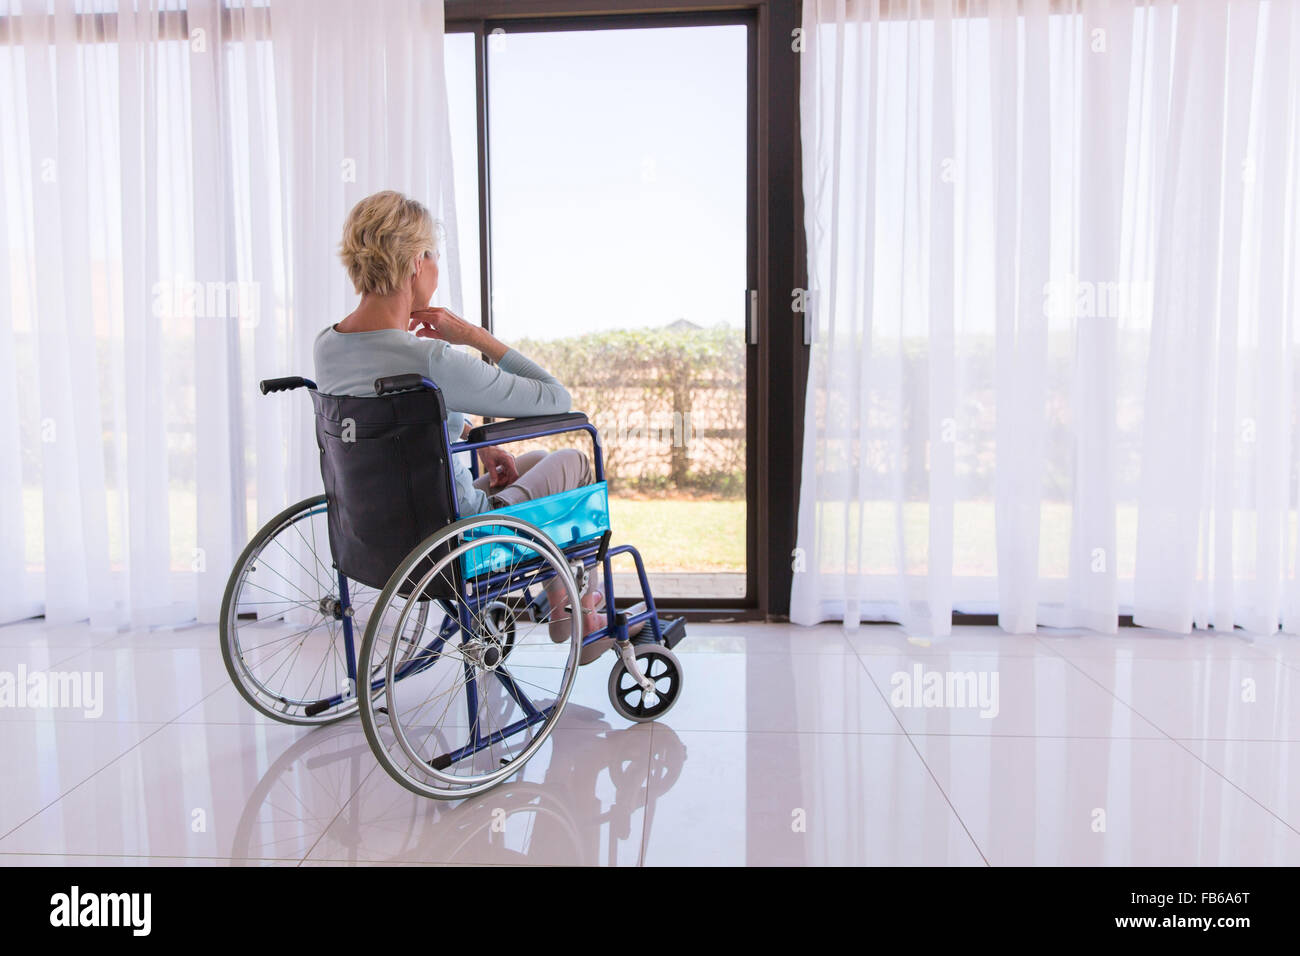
[673,632]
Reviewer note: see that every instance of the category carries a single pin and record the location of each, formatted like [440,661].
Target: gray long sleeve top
[347,363]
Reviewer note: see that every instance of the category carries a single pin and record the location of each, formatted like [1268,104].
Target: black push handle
[401,383]
[269,385]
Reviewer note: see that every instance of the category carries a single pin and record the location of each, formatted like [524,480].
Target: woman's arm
[516,387]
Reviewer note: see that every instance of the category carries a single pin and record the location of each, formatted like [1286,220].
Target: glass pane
[618,163]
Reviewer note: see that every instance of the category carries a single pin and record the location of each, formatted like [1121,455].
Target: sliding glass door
[618,251]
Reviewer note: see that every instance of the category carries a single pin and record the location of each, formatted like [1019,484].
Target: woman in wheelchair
[451,614]
[388,250]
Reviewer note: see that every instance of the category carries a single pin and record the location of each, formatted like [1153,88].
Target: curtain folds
[175,178]
[1052,257]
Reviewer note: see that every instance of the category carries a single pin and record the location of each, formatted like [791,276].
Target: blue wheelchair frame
[590,552]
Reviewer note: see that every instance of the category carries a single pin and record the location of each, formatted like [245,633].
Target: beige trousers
[541,473]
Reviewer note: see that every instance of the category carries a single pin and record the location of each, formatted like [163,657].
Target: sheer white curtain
[175,177]
[1052,253]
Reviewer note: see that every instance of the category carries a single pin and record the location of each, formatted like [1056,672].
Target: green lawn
[682,534]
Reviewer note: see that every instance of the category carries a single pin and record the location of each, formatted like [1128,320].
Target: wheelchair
[456,639]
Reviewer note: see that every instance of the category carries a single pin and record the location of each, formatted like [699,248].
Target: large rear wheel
[283,621]
[494,690]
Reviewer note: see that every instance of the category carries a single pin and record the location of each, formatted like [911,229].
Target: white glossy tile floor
[789,746]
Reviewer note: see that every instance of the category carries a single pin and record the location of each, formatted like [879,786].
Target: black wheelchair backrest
[388,485]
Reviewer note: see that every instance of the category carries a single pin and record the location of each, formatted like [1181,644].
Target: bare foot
[560,628]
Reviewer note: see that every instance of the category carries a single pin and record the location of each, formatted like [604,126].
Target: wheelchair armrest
[523,427]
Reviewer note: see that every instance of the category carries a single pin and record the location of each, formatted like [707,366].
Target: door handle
[751,316]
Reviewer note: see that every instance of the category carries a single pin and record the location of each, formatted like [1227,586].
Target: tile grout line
[159,729]
[76,652]
[1177,742]
[342,807]
[916,750]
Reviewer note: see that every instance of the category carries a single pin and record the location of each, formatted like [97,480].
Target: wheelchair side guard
[569,518]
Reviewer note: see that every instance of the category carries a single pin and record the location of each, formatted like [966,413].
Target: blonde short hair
[382,237]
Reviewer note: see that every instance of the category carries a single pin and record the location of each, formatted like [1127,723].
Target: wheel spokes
[501,711]
[286,627]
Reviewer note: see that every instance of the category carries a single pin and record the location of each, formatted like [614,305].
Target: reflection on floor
[789,746]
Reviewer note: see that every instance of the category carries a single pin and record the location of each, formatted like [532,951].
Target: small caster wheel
[665,671]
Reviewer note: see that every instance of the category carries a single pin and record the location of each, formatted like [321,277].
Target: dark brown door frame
[777,366]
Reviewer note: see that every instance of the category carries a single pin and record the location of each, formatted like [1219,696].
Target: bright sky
[618,177]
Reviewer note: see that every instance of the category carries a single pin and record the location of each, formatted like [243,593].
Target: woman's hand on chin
[443,324]
[447,326]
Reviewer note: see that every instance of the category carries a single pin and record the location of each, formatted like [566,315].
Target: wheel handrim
[541,670]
